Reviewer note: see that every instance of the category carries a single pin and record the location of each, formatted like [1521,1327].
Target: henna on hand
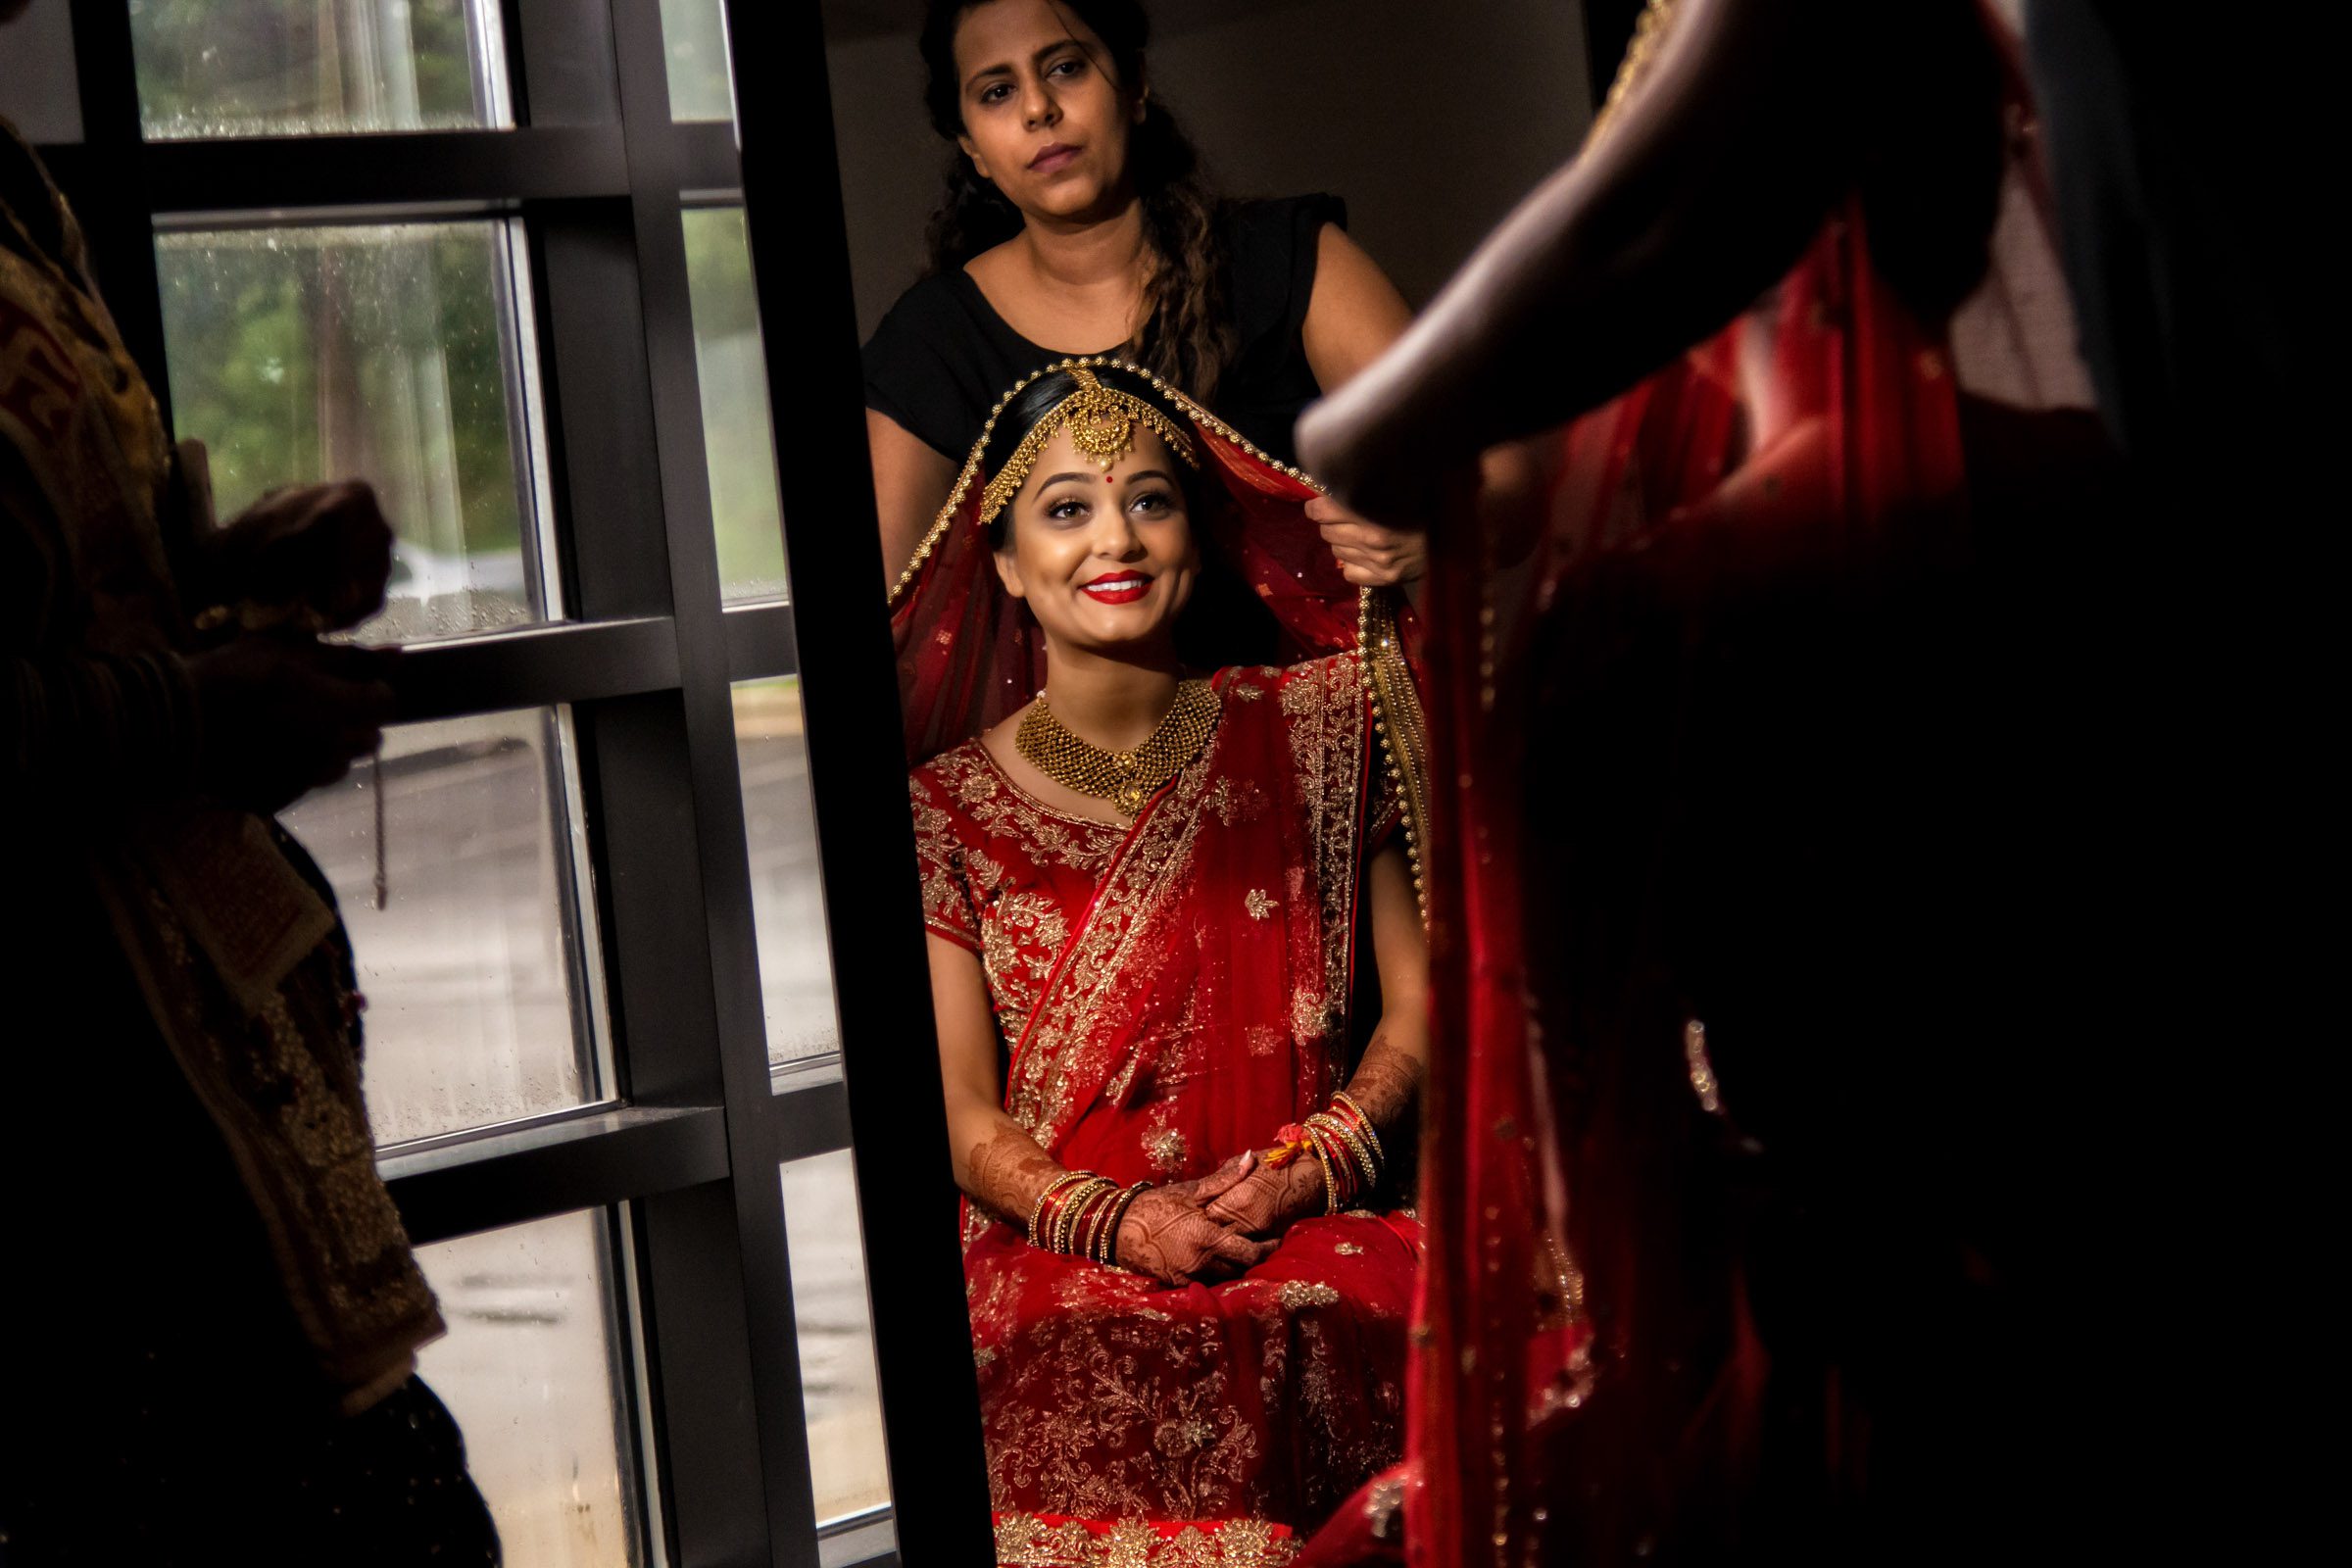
[1272,1198]
[1007,1172]
[1387,1082]
[1202,1191]
[1166,1235]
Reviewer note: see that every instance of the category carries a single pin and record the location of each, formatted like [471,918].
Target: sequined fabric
[1168,995]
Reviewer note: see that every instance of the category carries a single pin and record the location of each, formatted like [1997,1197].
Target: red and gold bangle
[1109,1255]
[1345,1144]
[1089,1215]
[1057,1215]
[1073,1203]
[1349,1145]
[1074,1208]
[1348,1154]
[1054,1236]
[1358,1131]
[1037,1210]
[1089,1246]
[1331,1186]
[1341,1101]
[1089,1241]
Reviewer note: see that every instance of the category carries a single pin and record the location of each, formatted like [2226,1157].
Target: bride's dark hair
[1186,335]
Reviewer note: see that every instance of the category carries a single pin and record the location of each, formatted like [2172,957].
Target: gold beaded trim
[1102,420]
[1024,458]
[1396,722]
[1641,52]
[1126,779]
[1397,719]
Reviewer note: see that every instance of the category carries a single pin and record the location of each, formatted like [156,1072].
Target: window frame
[686,1163]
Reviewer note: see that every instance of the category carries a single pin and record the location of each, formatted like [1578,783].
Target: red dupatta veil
[1802,468]
[1660,511]
[969,654]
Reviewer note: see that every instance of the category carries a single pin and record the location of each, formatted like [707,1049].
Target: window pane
[478,974]
[788,909]
[848,1466]
[300,68]
[736,438]
[531,1368]
[385,352]
[694,35]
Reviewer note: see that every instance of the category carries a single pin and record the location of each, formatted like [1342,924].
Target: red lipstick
[1117,587]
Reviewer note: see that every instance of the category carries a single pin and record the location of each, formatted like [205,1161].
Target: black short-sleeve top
[943,357]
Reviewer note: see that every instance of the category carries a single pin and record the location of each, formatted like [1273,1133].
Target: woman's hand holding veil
[1370,556]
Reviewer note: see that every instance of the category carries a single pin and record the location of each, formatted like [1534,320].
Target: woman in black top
[1074,224]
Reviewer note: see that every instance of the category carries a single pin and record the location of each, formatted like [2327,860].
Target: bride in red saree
[1189,1268]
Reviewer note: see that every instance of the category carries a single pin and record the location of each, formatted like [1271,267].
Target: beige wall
[1431,118]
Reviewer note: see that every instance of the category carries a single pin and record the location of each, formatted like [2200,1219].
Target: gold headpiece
[1102,420]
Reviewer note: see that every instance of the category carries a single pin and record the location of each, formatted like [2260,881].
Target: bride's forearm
[1001,1167]
[1387,1085]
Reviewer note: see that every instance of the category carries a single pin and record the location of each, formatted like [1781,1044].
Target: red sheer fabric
[1170,993]
[1803,468]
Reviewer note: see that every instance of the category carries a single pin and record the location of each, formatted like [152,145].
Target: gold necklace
[1126,779]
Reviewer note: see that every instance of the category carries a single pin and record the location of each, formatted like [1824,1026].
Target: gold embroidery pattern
[945,903]
[1258,903]
[1296,1293]
[968,891]
[1324,709]
[1018,925]
[1165,1149]
[1237,801]
[1002,809]
[1152,862]
[352,1281]
[1024,1540]
[1308,1021]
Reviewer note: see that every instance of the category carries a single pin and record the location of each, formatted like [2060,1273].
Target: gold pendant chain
[1126,779]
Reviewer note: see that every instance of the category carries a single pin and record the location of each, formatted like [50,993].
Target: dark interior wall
[36,73]
[1430,120]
